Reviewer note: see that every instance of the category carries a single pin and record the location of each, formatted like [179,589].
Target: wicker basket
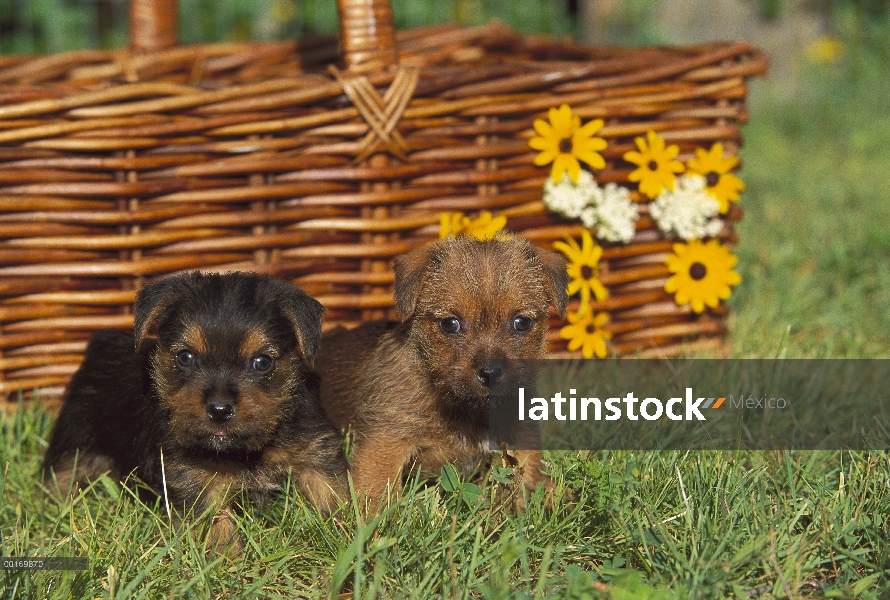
[118,167]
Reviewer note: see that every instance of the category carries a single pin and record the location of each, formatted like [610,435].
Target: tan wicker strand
[87,98]
[110,298]
[117,268]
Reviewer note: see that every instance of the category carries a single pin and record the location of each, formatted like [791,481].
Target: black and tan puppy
[216,405]
[417,392]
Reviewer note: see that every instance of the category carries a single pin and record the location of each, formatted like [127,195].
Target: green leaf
[470,492]
[503,475]
[450,479]
[650,535]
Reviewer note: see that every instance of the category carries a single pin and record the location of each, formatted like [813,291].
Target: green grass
[815,239]
[813,254]
[644,525]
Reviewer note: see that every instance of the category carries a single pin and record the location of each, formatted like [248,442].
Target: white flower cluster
[615,213]
[689,210]
[608,209]
[569,198]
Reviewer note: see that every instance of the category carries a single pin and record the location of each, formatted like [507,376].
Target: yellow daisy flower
[583,267]
[585,331]
[720,183]
[563,142]
[485,227]
[702,274]
[657,167]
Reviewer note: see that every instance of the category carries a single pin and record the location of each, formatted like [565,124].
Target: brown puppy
[216,405]
[417,392]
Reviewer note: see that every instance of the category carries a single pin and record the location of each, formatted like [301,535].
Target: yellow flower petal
[570,248]
[450,224]
[561,167]
[539,143]
[574,168]
[595,253]
[576,124]
[599,290]
[586,242]
[634,157]
[543,128]
[562,121]
[574,344]
[590,129]
[592,158]
[672,285]
[599,347]
[545,158]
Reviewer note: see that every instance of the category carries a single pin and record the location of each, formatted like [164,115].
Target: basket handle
[154,25]
[367,31]
[367,34]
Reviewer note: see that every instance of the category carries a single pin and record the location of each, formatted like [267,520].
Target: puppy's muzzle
[220,412]
[489,375]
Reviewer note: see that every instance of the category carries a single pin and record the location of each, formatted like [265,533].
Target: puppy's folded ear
[304,313]
[410,269]
[152,305]
[557,279]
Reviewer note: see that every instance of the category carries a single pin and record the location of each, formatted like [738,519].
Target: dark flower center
[653,166]
[565,145]
[590,329]
[712,178]
[587,272]
[697,271]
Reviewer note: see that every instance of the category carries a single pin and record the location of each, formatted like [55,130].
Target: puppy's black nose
[489,375]
[220,411]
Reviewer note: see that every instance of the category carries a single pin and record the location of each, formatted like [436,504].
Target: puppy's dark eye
[449,325]
[185,358]
[522,324]
[263,363]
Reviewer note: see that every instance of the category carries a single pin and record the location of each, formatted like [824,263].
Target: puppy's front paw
[222,538]
[527,477]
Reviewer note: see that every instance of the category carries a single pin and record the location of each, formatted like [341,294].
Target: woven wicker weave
[118,167]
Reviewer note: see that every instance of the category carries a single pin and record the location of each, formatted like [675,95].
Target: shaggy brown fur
[417,392]
[220,397]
